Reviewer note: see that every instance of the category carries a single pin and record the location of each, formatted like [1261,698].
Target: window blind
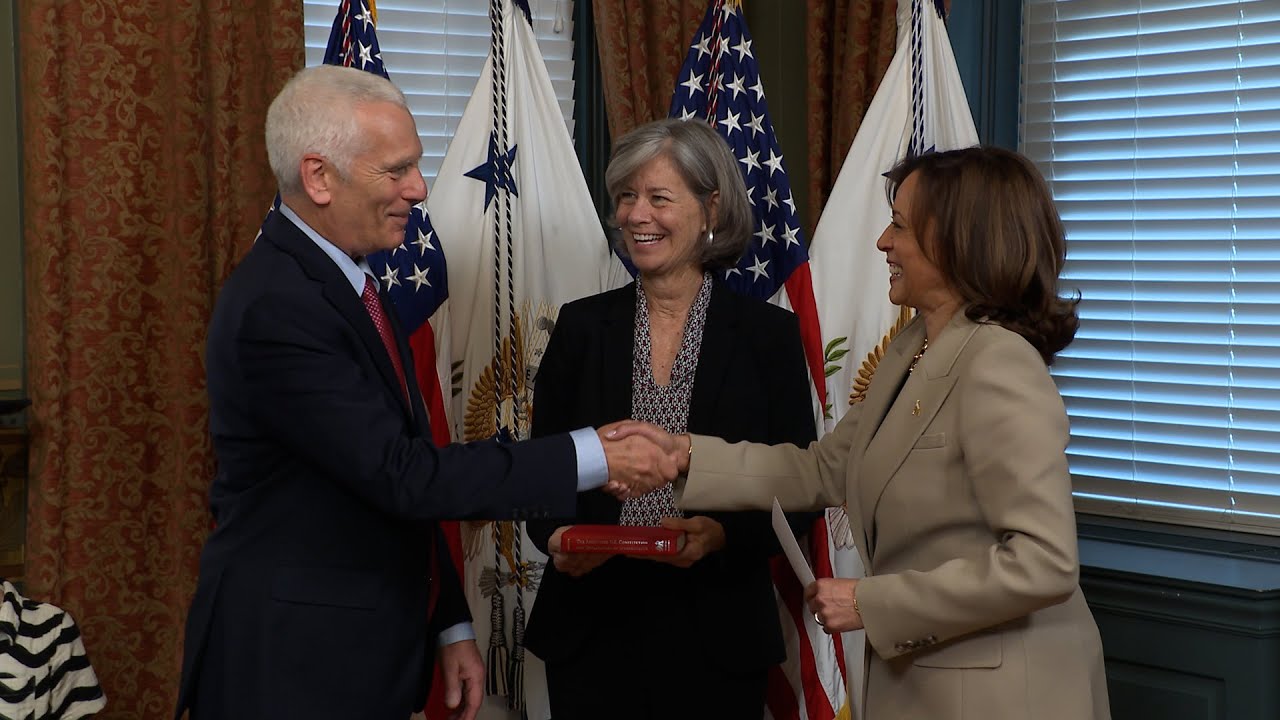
[434,51]
[1157,126]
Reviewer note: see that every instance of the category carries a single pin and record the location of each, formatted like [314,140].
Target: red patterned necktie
[373,304]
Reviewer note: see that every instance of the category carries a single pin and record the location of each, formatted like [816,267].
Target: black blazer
[751,384]
[314,586]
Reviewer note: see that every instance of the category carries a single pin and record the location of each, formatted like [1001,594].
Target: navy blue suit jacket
[314,586]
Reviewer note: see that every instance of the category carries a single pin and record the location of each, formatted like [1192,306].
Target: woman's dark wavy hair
[994,231]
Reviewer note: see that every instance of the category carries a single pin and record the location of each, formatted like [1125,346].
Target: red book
[621,539]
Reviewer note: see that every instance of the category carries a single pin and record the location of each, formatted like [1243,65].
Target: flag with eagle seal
[523,238]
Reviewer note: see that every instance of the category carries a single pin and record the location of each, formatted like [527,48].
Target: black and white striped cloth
[44,672]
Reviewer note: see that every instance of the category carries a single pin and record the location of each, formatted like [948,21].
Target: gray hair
[706,164]
[314,114]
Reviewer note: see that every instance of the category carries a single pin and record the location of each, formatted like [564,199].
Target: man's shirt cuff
[456,633]
[593,469]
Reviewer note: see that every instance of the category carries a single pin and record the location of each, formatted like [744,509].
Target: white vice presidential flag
[522,237]
[920,106]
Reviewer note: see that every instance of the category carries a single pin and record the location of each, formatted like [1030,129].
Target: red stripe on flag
[817,704]
[799,287]
[819,550]
[423,344]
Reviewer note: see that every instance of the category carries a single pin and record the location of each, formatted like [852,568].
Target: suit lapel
[888,376]
[337,290]
[719,338]
[926,389]
[880,396]
[616,354]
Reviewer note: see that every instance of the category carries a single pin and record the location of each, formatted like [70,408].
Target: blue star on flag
[495,172]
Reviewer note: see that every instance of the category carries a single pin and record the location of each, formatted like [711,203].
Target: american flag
[720,84]
[413,273]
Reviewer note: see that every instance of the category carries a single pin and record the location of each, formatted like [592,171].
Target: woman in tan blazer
[953,467]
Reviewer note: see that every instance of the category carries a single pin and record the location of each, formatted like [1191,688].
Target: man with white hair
[325,590]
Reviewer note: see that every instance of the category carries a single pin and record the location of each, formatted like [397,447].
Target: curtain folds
[850,44]
[144,180]
[642,46]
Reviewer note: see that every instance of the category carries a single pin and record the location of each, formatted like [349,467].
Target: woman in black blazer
[679,349]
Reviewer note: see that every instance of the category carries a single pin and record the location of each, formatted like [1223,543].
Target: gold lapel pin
[916,410]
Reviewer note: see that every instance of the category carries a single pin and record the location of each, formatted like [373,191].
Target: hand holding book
[621,540]
[702,536]
[679,541]
[573,564]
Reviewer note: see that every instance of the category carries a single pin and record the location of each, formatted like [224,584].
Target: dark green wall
[590,120]
[778,40]
[985,35]
[1190,626]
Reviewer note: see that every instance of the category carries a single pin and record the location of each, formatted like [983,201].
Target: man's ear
[317,178]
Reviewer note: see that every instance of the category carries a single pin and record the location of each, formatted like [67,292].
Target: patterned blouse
[666,406]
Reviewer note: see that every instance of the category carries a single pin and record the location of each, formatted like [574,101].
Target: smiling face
[662,220]
[370,201]
[914,280]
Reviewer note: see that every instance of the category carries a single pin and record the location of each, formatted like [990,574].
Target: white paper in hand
[790,547]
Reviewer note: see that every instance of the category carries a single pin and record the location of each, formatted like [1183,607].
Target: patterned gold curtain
[642,45]
[850,45]
[144,180]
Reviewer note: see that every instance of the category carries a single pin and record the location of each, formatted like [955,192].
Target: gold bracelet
[855,601]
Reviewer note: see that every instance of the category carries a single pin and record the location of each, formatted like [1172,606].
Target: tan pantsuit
[956,481]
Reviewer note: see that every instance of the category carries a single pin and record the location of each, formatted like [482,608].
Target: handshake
[641,457]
